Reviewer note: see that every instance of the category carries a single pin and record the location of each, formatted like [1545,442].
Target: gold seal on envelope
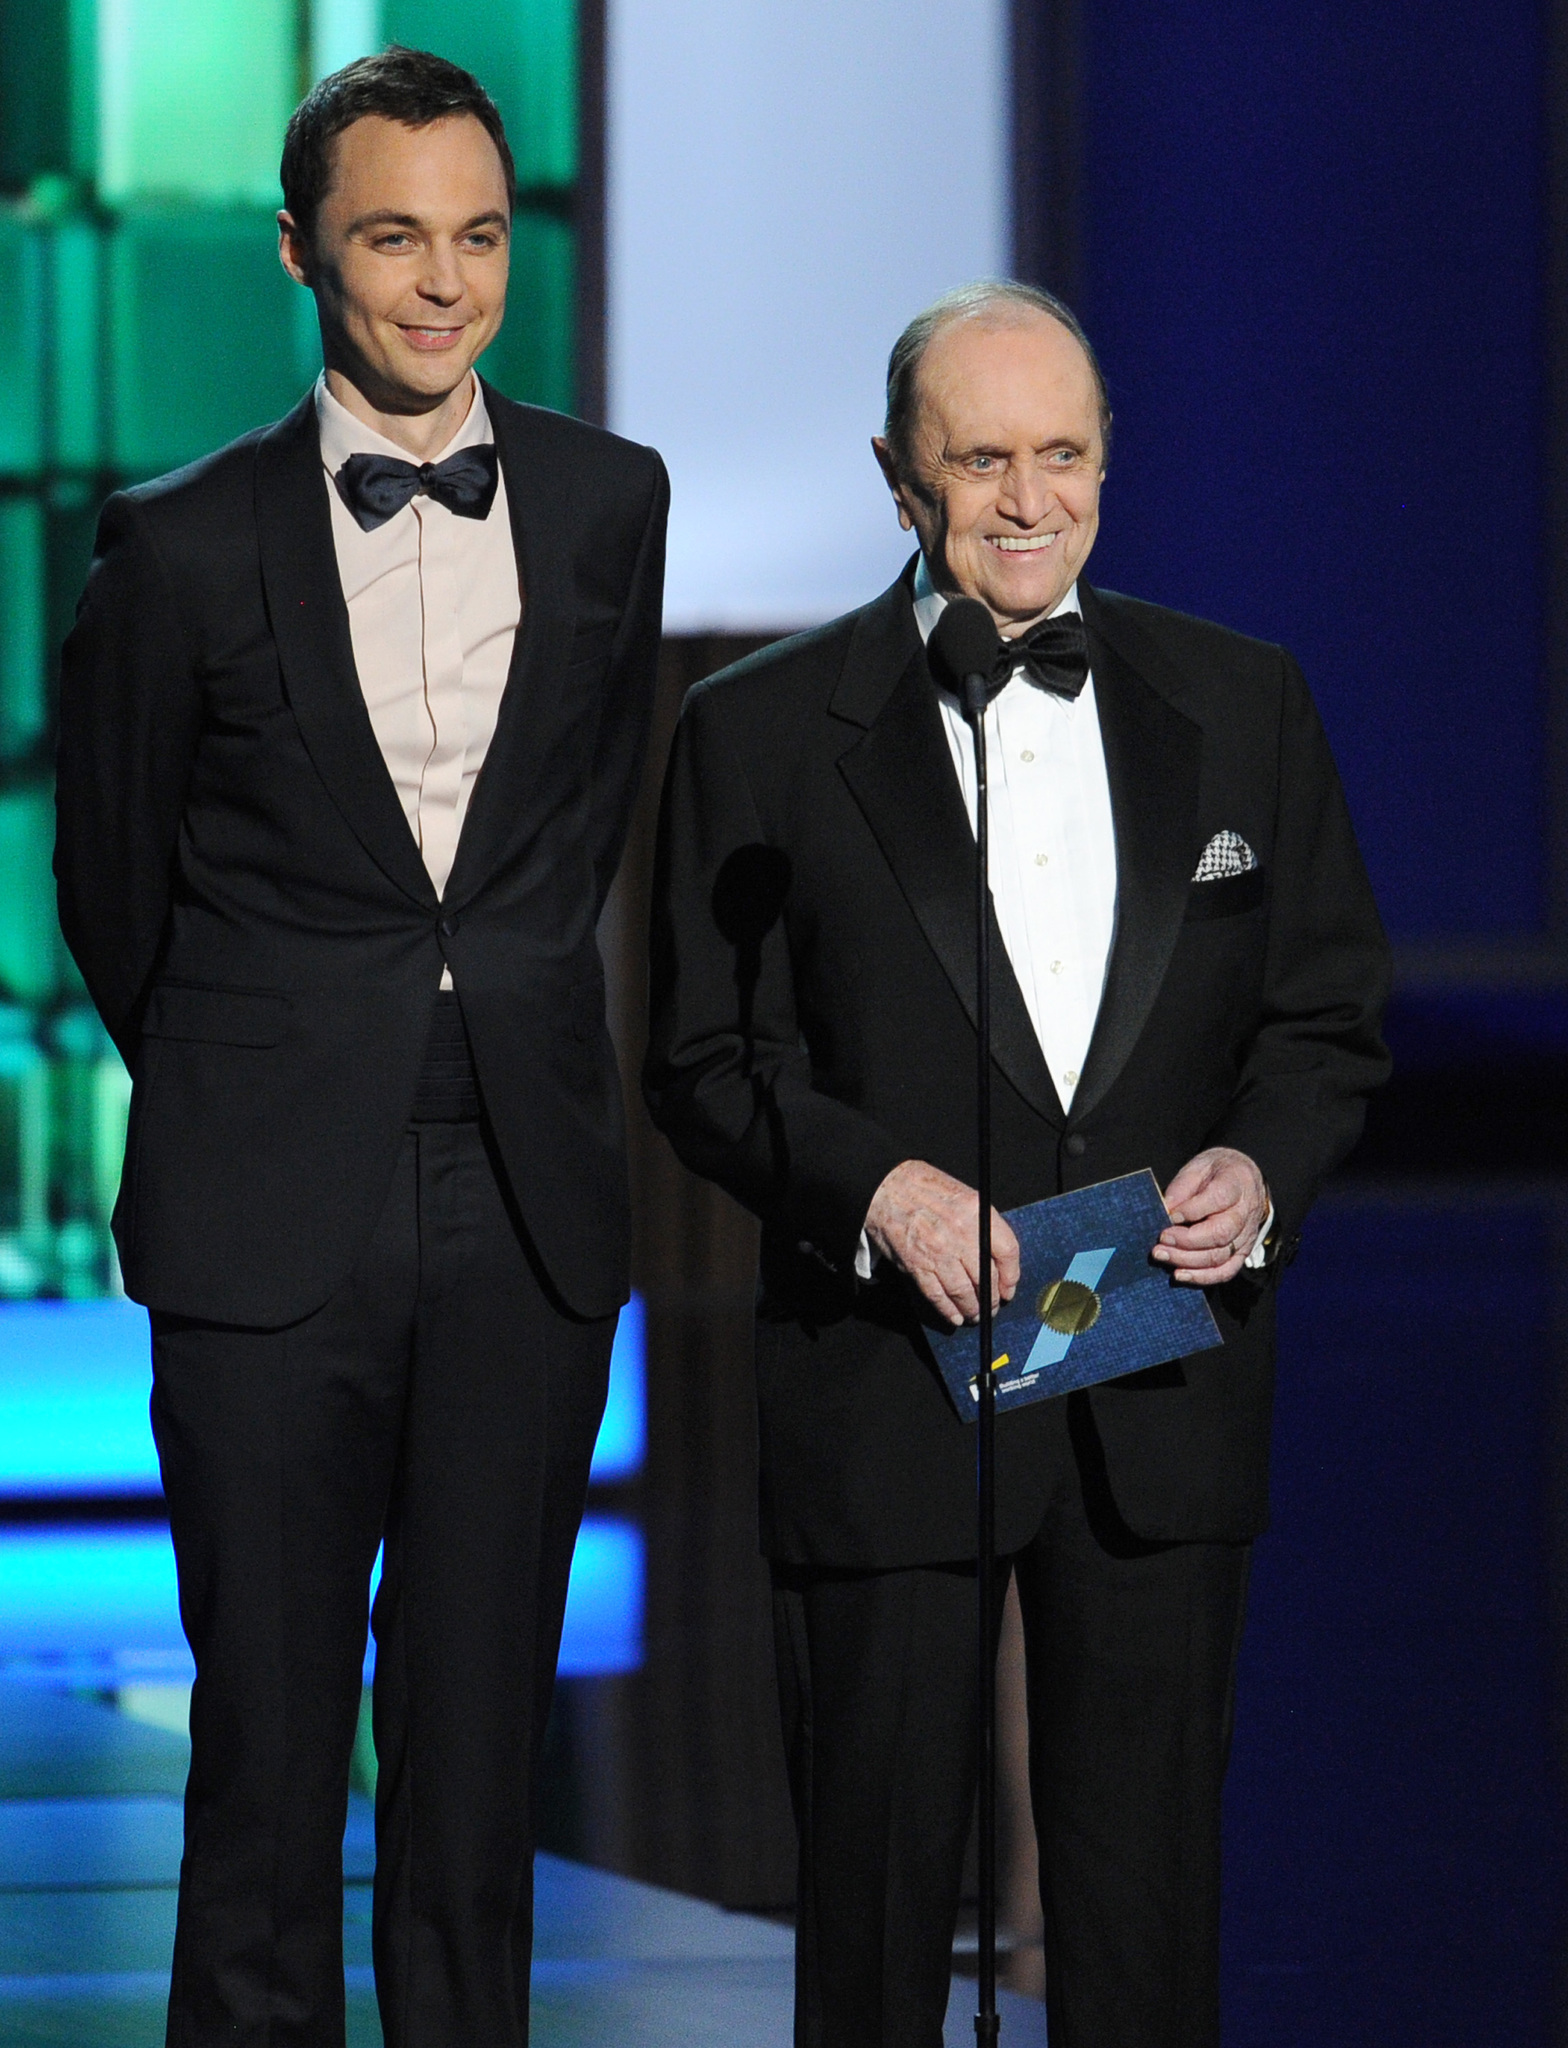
[1069,1308]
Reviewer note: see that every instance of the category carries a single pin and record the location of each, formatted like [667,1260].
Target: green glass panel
[110,1112]
[70,521]
[340,31]
[193,97]
[35,134]
[525,56]
[24,1157]
[29,934]
[307,337]
[23,705]
[76,401]
[82,88]
[202,334]
[532,357]
[21,347]
[88,1098]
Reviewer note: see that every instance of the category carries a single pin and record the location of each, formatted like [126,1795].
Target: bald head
[992,302]
[1000,469]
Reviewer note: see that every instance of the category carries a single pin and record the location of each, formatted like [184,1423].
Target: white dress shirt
[1053,844]
[434,602]
[1053,853]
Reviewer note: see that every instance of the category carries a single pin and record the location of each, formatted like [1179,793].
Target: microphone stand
[977,691]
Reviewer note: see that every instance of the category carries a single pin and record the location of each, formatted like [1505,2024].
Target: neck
[933,557]
[1014,629]
[423,434]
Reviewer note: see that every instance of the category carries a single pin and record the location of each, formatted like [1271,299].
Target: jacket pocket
[1226,898]
[592,644]
[215,1016]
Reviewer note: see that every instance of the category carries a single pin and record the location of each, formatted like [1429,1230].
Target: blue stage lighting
[100,1605]
[75,1377]
[623,1434]
[98,1600]
[604,1602]
[74,1382]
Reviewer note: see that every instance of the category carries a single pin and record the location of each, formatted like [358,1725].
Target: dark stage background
[1323,258]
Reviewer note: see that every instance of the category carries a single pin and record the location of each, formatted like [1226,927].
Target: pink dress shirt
[434,602]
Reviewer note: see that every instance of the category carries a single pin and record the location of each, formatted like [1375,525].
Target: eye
[983,463]
[394,243]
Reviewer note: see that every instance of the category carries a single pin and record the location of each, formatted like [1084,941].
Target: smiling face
[408,261]
[1007,458]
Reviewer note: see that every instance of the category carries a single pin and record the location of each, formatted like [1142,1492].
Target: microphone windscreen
[964,642]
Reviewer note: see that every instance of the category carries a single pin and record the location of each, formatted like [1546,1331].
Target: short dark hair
[970,302]
[411,86]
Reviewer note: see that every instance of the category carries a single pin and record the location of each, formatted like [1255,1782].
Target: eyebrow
[386,218]
[1078,447]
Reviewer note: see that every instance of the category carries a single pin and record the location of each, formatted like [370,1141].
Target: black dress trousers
[1131,1650]
[443,1400]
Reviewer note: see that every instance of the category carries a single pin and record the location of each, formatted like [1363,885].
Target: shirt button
[1026,755]
[1057,966]
[1071,1077]
[1041,860]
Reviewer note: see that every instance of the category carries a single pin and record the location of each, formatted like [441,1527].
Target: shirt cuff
[1255,1260]
[866,1258]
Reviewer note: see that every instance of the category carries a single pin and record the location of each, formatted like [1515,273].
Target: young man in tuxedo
[1188,974]
[351,721]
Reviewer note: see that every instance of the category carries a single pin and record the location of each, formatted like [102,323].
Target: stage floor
[89,1862]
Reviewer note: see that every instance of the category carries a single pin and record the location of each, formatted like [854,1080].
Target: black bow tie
[1055,654]
[376,487]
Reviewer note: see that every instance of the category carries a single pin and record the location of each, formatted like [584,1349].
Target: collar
[930,603]
[343,434]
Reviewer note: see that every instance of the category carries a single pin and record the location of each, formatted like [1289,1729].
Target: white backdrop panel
[787,185]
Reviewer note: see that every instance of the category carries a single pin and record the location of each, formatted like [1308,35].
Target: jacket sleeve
[728,1077]
[1300,1100]
[628,694]
[130,709]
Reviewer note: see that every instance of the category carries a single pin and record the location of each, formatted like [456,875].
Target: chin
[1025,603]
[433,376]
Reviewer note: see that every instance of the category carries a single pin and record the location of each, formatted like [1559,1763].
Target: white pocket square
[1226,854]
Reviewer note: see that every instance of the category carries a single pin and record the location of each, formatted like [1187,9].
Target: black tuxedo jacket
[812,1025]
[249,909]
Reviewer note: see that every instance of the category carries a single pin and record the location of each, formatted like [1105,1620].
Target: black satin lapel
[310,627]
[540,654]
[901,775]
[1153,760]
[885,641]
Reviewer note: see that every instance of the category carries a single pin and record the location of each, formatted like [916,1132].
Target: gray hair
[971,302]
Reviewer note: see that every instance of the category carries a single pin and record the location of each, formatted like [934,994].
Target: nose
[442,282]
[1025,494]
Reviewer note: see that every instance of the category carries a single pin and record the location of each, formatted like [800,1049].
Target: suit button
[1076,1145]
[448,926]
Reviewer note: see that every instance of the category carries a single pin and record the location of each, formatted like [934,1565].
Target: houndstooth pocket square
[1226,854]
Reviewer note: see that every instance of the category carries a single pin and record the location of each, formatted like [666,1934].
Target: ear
[294,250]
[894,482]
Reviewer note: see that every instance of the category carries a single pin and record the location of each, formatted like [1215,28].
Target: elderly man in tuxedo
[350,725]
[1188,975]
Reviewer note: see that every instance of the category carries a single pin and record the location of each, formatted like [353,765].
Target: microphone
[963,651]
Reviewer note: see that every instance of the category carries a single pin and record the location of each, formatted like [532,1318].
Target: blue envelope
[1091,1304]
